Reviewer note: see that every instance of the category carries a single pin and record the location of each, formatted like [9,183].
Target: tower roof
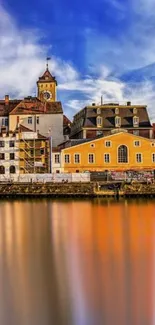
[47,77]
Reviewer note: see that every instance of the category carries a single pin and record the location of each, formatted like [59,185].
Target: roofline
[111,135]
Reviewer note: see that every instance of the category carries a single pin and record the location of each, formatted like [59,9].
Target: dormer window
[117,121]
[98,110]
[116,110]
[135,121]
[135,110]
[99,121]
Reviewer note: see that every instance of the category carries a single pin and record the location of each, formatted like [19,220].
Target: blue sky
[100,47]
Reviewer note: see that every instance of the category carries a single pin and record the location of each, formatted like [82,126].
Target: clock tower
[47,87]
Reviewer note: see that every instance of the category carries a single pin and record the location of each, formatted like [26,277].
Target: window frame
[14,168]
[11,143]
[3,156]
[99,125]
[153,155]
[93,155]
[29,119]
[57,155]
[137,123]
[67,162]
[127,155]
[12,153]
[77,162]
[141,155]
[107,141]
[107,154]
[117,125]
[137,145]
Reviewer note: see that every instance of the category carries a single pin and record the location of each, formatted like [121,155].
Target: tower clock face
[47,95]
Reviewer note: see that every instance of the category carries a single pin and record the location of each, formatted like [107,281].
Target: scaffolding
[34,156]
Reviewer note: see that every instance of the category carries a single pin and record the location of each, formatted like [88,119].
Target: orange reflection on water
[77,262]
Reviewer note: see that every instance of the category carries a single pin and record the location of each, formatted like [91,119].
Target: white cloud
[22,59]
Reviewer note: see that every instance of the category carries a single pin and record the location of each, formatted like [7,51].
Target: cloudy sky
[97,47]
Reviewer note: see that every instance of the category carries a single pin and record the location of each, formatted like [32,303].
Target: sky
[97,48]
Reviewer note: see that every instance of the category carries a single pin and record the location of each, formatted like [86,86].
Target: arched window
[12,170]
[122,154]
[2,170]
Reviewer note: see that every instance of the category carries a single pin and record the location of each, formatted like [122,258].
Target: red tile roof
[32,105]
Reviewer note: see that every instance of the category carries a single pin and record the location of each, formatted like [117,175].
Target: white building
[9,155]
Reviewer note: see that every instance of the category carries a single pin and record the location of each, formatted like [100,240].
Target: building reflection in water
[77,262]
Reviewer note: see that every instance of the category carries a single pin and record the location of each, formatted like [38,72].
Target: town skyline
[105,54]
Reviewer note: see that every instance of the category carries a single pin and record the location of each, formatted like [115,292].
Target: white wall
[7,150]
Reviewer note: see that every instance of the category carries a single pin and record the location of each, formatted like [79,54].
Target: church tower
[47,86]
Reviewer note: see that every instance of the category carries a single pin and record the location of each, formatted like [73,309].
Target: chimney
[128,103]
[6,99]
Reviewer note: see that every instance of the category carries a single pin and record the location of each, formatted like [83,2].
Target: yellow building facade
[119,151]
[47,86]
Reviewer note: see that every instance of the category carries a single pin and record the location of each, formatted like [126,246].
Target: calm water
[77,262]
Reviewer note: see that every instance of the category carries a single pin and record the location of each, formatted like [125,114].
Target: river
[70,262]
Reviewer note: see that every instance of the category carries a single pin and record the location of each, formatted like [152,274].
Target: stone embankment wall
[92,189]
[40,189]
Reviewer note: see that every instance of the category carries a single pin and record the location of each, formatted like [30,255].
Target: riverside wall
[92,189]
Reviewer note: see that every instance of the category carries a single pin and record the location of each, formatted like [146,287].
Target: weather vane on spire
[47,59]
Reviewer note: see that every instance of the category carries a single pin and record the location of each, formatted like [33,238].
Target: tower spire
[47,59]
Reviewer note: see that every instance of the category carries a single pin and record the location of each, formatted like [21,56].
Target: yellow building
[119,151]
[47,87]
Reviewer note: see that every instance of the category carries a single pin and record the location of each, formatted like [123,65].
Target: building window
[77,158]
[2,156]
[2,144]
[57,158]
[6,122]
[98,110]
[138,157]
[11,144]
[135,110]
[91,158]
[29,120]
[31,152]
[153,157]
[99,121]
[37,119]
[116,110]
[42,151]
[117,121]
[92,145]
[2,170]
[135,121]
[12,170]
[67,159]
[12,156]
[107,158]
[137,143]
[153,144]
[108,144]
[122,154]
